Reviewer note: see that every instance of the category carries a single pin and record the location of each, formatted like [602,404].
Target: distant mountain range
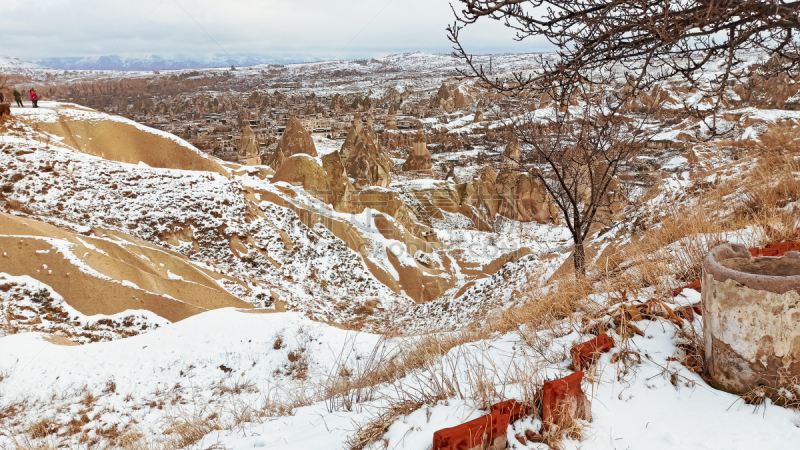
[149,63]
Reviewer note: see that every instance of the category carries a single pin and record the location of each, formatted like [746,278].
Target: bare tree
[653,39]
[577,153]
[641,43]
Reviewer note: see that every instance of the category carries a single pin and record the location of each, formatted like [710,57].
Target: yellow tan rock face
[119,141]
[100,276]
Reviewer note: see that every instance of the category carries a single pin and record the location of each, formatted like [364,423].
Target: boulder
[420,159]
[295,140]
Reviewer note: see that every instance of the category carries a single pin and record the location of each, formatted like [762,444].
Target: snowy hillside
[155,62]
[7,62]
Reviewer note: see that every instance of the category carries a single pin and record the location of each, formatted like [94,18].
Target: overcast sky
[298,29]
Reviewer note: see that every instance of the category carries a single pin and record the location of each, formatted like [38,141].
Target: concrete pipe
[751,316]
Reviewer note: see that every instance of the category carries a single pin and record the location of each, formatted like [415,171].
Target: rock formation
[367,163]
[451,174]
[249,153]
[339,185]
[450,98]
[391,122]
[337,103]
[478,114]
[511,157]
[420,158]
[352,136]
[295,140]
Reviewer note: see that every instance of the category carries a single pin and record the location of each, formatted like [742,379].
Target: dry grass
[377,427]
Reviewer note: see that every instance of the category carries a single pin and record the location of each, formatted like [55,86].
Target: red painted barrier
[484,433]
[583,355]
[688,312]
[776,249]
[513,408]
[694,285]
[563,401]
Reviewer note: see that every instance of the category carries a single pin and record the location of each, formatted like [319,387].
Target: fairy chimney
[478,114]
[368,163]
[391,122]
[352,136]
[295,140]
[249,151]
[419,160]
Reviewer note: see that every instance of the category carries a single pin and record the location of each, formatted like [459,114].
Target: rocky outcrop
[341,190]
[450,98]
[249,153]
[420,160]
[295,140]
[367,162]
[328,182]
[513,194]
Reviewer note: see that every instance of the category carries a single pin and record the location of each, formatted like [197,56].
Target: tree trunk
[579,256]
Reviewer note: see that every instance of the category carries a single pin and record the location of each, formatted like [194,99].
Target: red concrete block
[688,312]
[776,249]
[696,285]
[513,408]
[563,401]
[484,433]
[583,355]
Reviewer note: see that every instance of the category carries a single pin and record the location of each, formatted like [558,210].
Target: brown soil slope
[167,284]
[119,141]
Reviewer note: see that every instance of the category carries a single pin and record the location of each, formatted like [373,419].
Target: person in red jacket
[34,98]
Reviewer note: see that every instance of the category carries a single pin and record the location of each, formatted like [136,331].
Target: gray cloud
[35,29]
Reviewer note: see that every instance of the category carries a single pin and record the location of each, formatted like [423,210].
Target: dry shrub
[377,427]
[187,429]
[542,307]
[566,427]
[42,428]
[37,446]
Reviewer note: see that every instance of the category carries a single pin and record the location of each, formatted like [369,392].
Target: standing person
[18,98]
[2,98]
[34,98]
